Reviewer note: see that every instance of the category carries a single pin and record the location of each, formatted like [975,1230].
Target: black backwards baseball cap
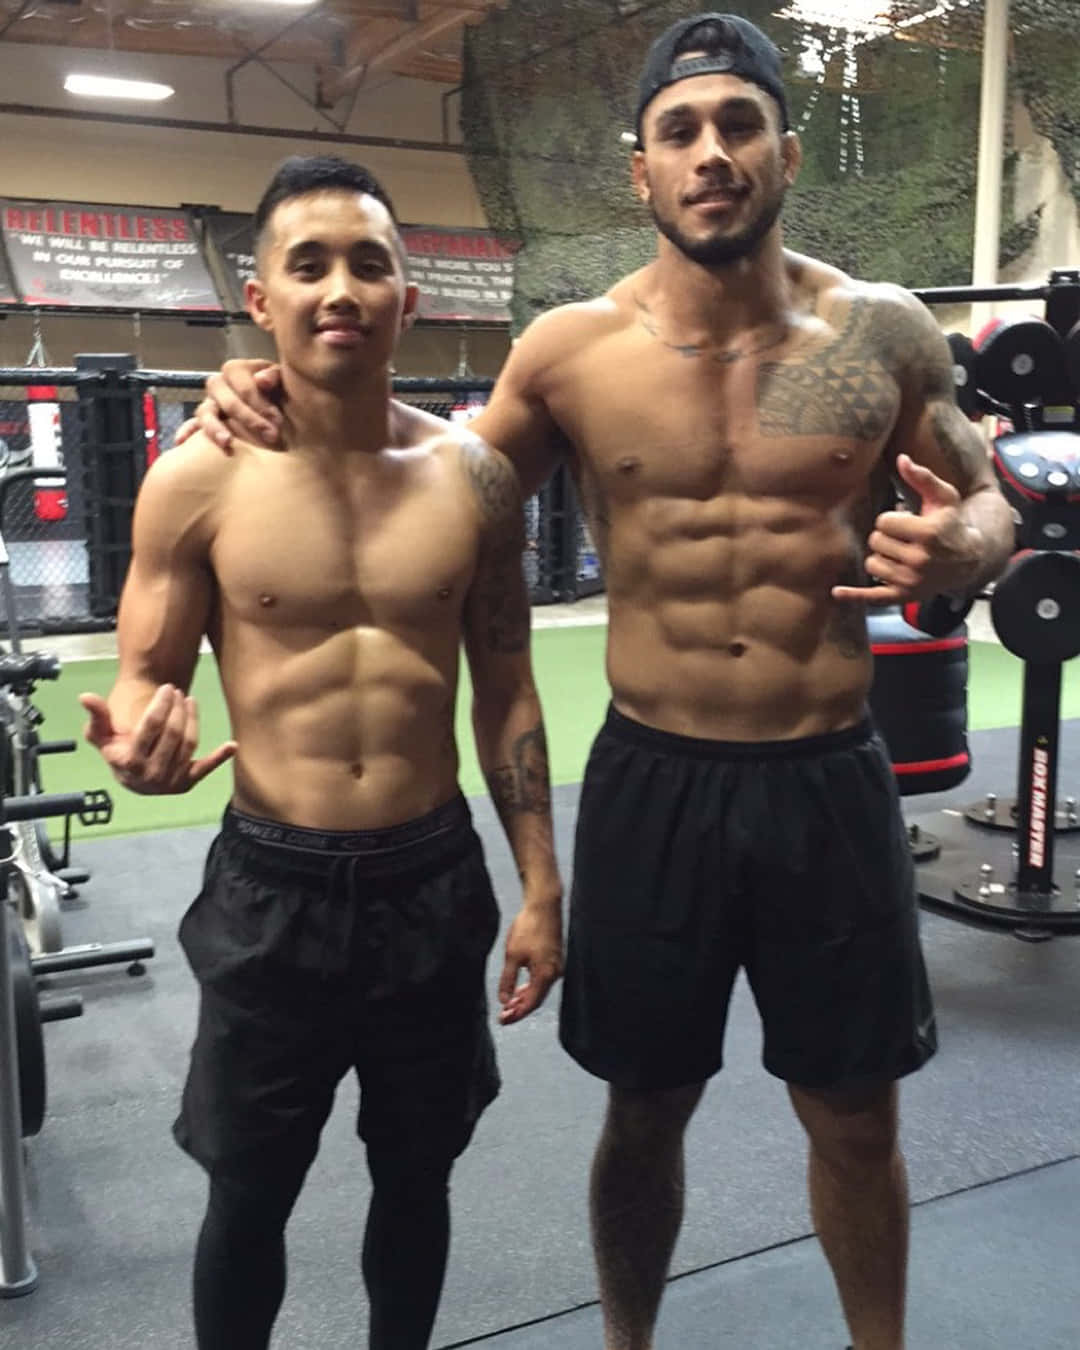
[749,54]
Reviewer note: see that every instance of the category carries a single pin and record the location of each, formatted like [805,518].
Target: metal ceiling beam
[14,19]
[397,51]
[230,128]
[211,41]
[401,27]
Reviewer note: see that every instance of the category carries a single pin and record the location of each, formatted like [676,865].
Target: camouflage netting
[888,116]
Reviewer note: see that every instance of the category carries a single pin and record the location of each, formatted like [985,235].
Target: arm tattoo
[523,787]
[494,483]
[845,388]
[957,449]
[498,600]
[914,348]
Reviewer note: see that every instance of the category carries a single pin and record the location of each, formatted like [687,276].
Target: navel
[266,600]
[736,648]
[628,464]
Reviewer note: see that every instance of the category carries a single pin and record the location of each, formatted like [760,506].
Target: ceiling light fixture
[107,86]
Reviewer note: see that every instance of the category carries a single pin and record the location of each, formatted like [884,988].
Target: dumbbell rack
[997,860]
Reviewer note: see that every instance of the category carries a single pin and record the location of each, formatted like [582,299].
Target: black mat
[116,1206]
[979,1269]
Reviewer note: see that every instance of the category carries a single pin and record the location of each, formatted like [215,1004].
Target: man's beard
[719,249]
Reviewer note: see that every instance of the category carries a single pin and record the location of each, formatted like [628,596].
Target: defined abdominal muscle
[737,636]
[740,688]
[336,743]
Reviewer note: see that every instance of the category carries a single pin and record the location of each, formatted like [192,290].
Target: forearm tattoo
[523,786]
[498,600]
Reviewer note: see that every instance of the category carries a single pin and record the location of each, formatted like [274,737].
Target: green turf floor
[569,664]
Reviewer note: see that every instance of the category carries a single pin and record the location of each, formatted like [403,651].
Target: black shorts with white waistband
[319,952]
[789,859]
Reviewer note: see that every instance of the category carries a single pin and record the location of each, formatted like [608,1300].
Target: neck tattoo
[724,356]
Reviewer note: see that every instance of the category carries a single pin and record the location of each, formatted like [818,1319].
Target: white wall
[1041,182]
[74,159]
[80,160]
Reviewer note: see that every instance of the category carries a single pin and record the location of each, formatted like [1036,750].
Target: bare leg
[858,1198]
[637,1205]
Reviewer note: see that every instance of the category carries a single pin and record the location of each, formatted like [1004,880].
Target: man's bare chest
[693,425]
[303,554]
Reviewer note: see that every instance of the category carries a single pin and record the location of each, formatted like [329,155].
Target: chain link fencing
[81,439]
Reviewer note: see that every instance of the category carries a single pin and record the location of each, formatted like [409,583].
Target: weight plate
[30,1044]
[1035,607]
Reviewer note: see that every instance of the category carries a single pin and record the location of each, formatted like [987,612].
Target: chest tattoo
[840,390]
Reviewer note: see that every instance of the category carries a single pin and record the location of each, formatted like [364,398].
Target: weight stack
[919,702]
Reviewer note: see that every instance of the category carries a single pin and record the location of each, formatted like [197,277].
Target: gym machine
[33,880]
[1012,863]
[22,1052]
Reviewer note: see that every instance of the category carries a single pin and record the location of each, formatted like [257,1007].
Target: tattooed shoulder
[492,478]
[908,342]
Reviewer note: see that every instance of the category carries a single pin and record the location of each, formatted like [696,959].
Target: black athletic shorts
[317,952]
[787,858]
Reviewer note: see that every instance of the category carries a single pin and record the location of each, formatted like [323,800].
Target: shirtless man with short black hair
[347,914]
[733,414]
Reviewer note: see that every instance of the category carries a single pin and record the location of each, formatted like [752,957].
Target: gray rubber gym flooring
[991,1130]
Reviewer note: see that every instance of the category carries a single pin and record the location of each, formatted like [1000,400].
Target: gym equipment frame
[998,859]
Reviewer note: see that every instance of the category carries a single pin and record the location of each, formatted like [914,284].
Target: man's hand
[239,402]
[534,944]
[916,556]
[157,756]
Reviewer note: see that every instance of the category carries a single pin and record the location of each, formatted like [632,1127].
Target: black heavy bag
[919,702]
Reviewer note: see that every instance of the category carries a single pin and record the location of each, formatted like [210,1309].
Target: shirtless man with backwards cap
[732,413]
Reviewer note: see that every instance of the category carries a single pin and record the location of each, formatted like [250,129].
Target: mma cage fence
[75,443]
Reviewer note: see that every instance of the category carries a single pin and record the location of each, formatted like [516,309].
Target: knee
[854,1140]
[650,1121]
[239,1210]
[406,1175]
